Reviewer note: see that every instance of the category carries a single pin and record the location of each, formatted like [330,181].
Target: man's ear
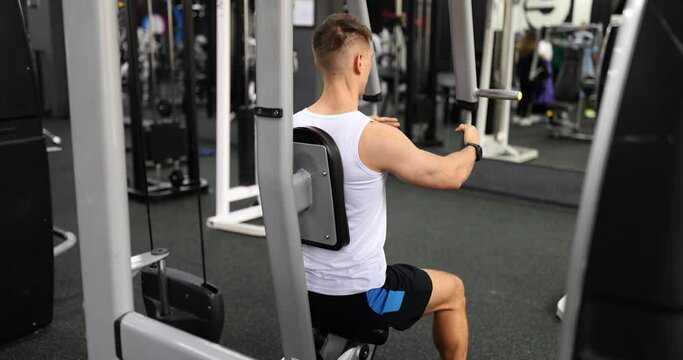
[358,64]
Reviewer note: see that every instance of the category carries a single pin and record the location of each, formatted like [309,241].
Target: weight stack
[26,260]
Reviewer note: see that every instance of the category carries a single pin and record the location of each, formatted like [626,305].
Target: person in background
[526,48]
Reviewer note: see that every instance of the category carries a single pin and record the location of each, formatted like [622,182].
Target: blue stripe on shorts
[384,301]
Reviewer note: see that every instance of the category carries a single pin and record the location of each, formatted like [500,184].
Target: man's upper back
[361,265]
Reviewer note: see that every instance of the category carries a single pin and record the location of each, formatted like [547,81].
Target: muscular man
[354,287]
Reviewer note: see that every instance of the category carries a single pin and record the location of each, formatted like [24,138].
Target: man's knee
[457,292]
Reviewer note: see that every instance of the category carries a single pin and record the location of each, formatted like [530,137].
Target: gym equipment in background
[391,60]
[114,330]
[237,220]
[625,284]
[420,123]
[496,145]
[26,212]
[167,141]
[574,83]
[373,89]
[225,218]
[172,296]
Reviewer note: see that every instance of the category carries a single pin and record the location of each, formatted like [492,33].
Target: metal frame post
[234,221]
[135,108]
[507,55]
[274,80]
[211,71]
[373,89]
[409,112]
[190,108]
[222,105]
[486,62]
[99,168]
[464,65]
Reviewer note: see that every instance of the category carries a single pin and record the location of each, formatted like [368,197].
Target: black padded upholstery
[366,336]
[370,336]
[316,136]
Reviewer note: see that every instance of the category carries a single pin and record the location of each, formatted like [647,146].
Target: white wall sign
[539,13]
[303,13]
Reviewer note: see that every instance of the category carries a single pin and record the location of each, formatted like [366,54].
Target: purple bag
[543,93]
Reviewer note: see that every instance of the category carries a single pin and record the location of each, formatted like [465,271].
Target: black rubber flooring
[511,254]
[565,154]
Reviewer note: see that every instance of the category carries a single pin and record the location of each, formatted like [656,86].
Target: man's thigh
[446,288]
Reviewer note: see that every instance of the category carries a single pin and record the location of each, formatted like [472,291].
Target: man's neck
[337,98]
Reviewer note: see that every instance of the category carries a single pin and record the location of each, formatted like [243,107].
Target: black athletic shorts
[399,303]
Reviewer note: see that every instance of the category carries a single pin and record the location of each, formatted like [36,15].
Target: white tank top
[361,265]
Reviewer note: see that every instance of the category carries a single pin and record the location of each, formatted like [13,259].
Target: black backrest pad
[324,223]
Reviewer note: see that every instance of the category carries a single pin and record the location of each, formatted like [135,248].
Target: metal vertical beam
[373,89]
[99,167]
[222,106]
[244,114]
[190,108]
[462,45]
[241,65]
[486,62]
[274,80]
[507,54]
[211,8]
[409,113]
[135,108]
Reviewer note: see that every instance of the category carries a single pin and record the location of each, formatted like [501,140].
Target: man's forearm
[462,163]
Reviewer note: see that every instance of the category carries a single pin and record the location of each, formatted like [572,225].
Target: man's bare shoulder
[376,131]
[379,143]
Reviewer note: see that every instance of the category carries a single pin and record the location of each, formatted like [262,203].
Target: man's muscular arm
[384,148]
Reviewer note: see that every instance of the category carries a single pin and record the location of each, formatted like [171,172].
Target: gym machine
[609,313]
[572,86]
[496,145]
[225,218]
[112,326]
[113,329]
[165,139]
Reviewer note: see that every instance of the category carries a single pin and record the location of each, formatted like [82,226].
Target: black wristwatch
[477,150]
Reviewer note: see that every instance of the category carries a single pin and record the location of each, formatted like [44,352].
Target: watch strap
[477,150]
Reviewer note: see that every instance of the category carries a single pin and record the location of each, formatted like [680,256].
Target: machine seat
[365,336]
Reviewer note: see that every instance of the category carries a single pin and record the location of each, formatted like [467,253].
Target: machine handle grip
[498,94]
